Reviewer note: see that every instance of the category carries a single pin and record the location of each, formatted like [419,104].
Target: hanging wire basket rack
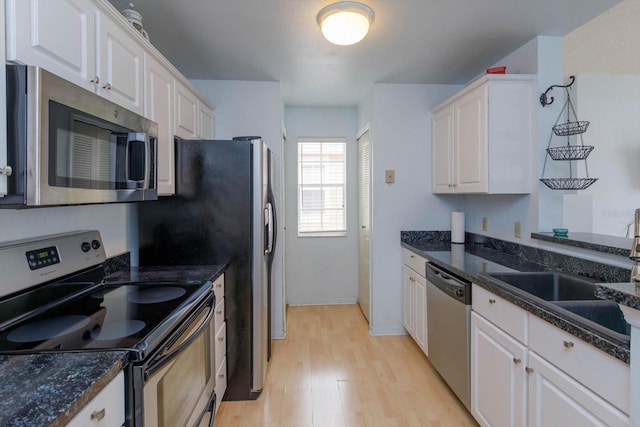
[571,127]
[568,183]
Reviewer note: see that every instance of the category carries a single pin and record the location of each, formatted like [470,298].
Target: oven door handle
[159,363]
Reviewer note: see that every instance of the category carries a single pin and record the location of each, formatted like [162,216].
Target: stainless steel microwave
[68,146]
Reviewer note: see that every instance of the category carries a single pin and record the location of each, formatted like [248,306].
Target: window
[322,187]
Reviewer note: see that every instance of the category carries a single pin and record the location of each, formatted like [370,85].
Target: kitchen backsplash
[548,259]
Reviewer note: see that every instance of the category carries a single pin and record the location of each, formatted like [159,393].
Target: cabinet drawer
[507,316]
[414,261]
[603,374]
[106,409]
[221,344]
[218,315]
[218,288]
[221,382]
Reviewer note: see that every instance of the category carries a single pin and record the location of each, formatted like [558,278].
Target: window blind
[322,186]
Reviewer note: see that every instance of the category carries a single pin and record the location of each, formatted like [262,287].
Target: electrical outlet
[484,223]
[389,176]
[517,229]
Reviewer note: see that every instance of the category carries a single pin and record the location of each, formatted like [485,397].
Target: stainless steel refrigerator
[223,211]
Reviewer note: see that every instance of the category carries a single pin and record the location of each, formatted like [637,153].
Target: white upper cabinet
[193,118]
[85,47]
[66,49]
[159,108]
[187,113]
[482,137]
[207,123]
[120,66]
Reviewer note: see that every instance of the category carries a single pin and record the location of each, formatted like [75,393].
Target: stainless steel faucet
[635,249]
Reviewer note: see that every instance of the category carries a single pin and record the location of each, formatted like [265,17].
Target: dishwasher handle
[449,284]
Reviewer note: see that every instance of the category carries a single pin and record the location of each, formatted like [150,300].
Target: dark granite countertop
[468,266]
[179,273]
[623,293]
[613,245]
[50,389]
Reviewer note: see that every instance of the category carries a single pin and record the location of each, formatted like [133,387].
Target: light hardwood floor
[330,372]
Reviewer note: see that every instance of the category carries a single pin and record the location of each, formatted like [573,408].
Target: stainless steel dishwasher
[448,317]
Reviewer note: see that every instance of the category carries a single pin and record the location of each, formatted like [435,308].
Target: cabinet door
[498,386]
[186,112]
[120,64]
[159,108]
[407,291]
[106,409]
[207,123]
[420,312]
[555,399]
[470,147]
[442,150]
[66,48]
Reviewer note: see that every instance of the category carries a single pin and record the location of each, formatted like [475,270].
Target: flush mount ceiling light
[346,22]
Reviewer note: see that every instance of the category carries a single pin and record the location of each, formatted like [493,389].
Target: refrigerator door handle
[268,213]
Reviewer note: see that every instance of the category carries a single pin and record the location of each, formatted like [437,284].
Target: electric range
[55,297]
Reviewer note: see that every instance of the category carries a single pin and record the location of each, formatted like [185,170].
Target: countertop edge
[622,293]
[618,351]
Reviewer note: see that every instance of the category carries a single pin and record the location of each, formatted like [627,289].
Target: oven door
[180,379]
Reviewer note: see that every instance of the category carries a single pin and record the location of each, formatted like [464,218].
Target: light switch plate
[517,230]
[484,223]
[390,176]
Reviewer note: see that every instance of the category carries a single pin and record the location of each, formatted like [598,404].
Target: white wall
[611,104]
[114,221]
[608,44]
[321,270]
[254,108]
[400,117]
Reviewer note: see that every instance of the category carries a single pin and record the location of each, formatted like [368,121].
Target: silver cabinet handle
[492,301]
[95,80]
[219,312]
[220,375]
[107,86]
[221,339]
[516,361]
[567,344]
[98,415]
[529,370]
[219,285]
[7,170]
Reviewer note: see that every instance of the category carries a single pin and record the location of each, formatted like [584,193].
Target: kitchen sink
[569,296]
[604,313]
[550,285]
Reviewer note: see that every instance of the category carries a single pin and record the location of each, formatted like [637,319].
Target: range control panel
[33,261]
[44,257]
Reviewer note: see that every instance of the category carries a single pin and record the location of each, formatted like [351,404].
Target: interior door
[364,210]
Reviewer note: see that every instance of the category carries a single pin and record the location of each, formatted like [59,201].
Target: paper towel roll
[457,227]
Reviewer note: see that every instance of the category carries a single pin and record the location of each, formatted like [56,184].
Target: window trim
[328,233]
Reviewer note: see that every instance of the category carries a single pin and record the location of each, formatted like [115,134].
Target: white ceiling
[411,41]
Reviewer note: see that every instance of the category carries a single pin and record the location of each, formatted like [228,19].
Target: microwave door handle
[160,362]
[144,138]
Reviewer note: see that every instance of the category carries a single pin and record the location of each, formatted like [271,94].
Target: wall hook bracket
[544,100]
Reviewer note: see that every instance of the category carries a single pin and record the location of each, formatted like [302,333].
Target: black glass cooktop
[105,317]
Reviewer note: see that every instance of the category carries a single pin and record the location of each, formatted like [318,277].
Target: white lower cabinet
[220,343]
[414,295]
[498,378]
[106,409]
[527,372]
[556,399]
